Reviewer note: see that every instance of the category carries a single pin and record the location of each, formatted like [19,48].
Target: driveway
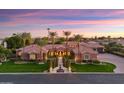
[118,61]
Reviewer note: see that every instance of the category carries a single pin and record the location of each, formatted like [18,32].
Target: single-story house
[119,41]
[35,52]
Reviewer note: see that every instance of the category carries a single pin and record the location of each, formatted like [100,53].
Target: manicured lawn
[30,67]
[107,67]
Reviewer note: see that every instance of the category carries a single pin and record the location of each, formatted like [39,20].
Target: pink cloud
[97,22]
[63,22]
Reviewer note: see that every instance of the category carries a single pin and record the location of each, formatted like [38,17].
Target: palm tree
[95,37]
[48,29]
[67,34]
[52,36]
[109,38]
[78,39]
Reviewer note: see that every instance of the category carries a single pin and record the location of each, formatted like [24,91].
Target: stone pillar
[46,57]
[69,69]
[51,68]
[5,44]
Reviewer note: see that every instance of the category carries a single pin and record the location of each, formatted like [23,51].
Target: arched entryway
[59,55]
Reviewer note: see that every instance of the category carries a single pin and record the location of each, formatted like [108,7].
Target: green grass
[33,67]
[107,67]
[29,67]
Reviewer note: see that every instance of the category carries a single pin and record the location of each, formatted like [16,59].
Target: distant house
[35,52]
[119,41]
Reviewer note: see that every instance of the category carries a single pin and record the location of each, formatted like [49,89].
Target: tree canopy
[4,53]
[41,41]
[78,37]
[18,40]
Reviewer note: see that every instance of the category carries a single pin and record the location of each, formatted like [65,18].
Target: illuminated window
[51,53]
[19,53]
[32,56]
[55,53]
[68,54]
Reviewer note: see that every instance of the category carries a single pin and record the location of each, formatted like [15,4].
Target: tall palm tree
[48,29]
[67,34]
[78,39]
[109,38]
[52,36]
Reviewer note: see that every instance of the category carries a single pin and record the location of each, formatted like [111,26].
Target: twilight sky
[88,22]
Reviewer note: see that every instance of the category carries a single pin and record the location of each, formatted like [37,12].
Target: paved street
[62,78]
[118,61]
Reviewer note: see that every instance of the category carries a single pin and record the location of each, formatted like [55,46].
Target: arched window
[86,56]
[32,56]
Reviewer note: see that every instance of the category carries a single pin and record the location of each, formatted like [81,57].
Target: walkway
[60,64]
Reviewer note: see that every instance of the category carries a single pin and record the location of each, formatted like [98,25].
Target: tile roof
[92,45]
[83,50]
[37,49]
[56,46]
[31,49]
